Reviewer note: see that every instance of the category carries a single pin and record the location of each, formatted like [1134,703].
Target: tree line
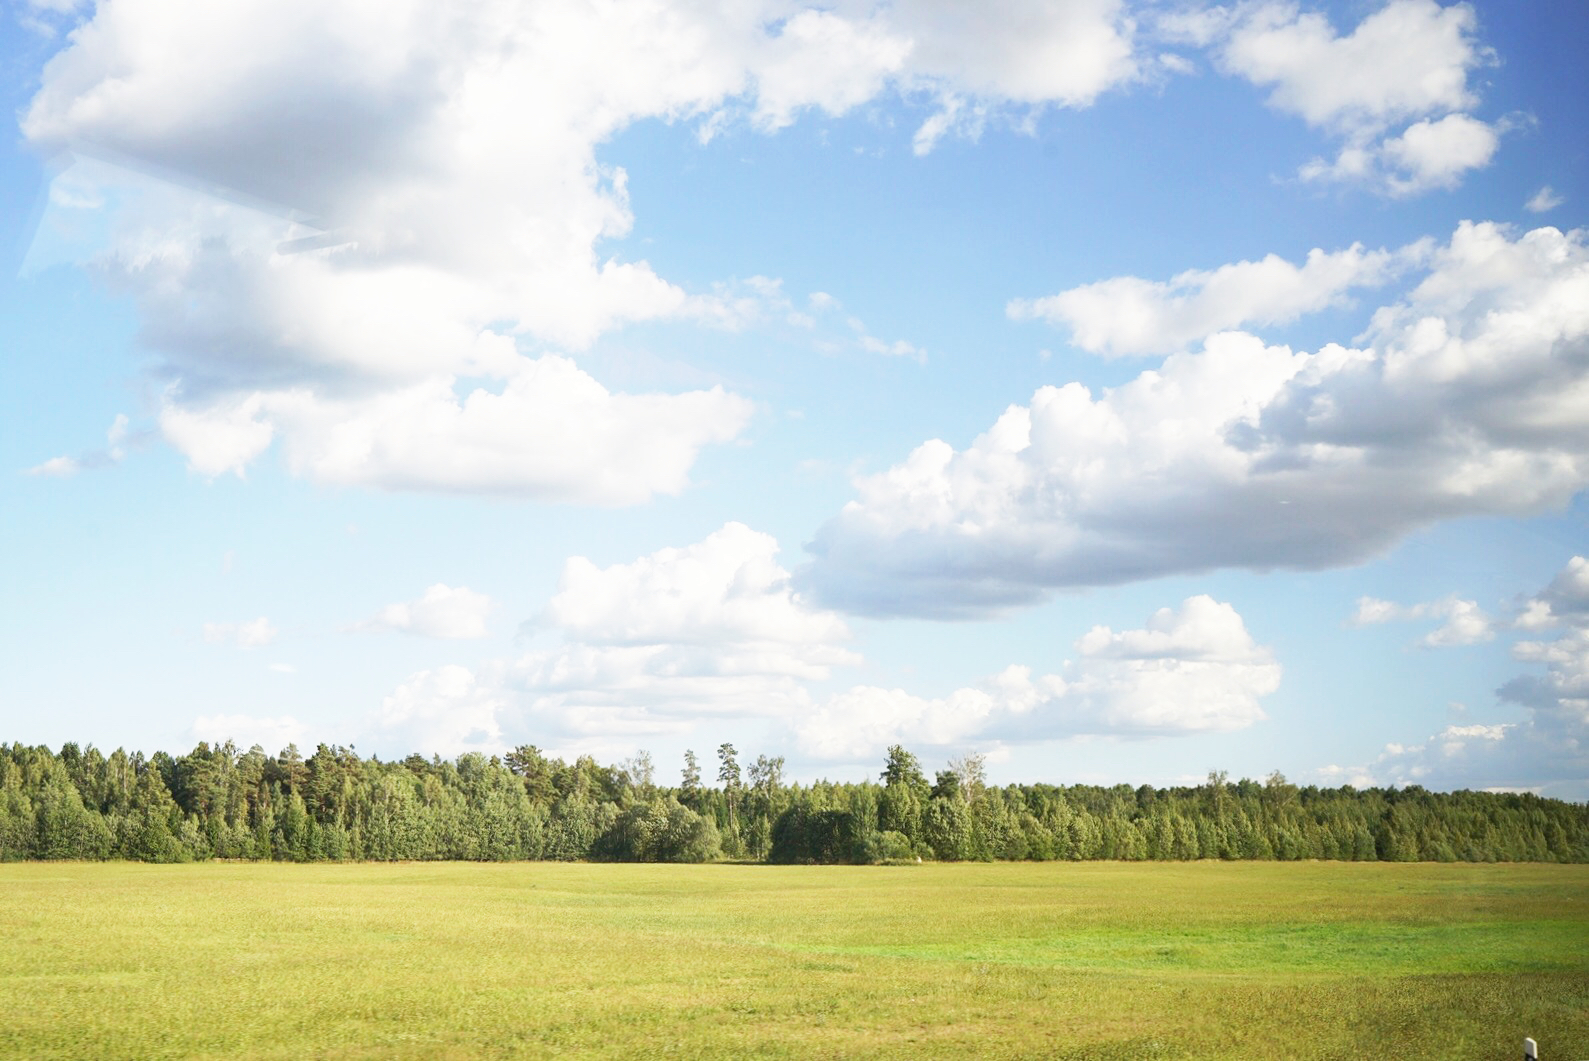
[219,802]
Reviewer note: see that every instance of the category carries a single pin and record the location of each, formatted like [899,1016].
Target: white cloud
[821,59]
[643,649]
[1465,623]
[1372,611]
[759,301]
[855,724]
[56,467]
[272,733]
[1175,64]
[1428,154]
[1544,200]
[977,61]
[648,646]
[1406,65]
[740,304]
[47,18]
[1194,669]
[226,436]
[1536,615]
[1203,630]
[1564,602]
[1548,751]
[1027,51]
[1200,27]
[443,612]
[1468,399]
[446,711]
[116,438]
[1126,315]
[897,348]
[1435,154]
[552,432]
[714,630]
[955,114]
[255,633]
[1408,59]
[727,588]
[327,216]
[65,467]
[1568,592]
[827,310]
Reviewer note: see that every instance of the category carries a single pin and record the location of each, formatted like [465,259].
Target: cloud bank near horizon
[1546,751]
[715,630]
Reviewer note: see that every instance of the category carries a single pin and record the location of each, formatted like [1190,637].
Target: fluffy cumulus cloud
[443,612]
[710,628]
[1026,52]
[446,711]
[331,218]
[255,633]
[1466,398]
[1194,669]
[1548,751]
[1031,51]
[715,631]
[1436,153]
[1395,90]
[725,588]
[639,650]
[1127,315]
[822,59]
[551,431]
[1406,59]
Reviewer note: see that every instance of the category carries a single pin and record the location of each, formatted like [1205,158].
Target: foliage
[217,802]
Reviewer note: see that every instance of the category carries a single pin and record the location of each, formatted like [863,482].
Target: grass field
[1089,960]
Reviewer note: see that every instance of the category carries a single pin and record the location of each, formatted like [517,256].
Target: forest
[218,802]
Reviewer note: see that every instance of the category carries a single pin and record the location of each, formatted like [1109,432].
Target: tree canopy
[219,802]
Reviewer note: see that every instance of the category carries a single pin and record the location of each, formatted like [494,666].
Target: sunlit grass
[1260,960]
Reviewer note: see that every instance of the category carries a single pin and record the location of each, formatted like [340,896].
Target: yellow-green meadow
[1067,960]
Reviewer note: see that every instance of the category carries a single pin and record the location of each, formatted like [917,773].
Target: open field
[1107,960]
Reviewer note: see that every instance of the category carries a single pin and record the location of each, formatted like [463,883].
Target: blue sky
[1122,391]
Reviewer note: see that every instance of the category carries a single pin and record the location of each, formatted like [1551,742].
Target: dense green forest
[217,802]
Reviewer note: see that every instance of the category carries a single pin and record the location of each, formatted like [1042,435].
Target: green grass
[1091,960]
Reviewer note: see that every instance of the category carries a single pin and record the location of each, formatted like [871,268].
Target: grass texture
[1056,960]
